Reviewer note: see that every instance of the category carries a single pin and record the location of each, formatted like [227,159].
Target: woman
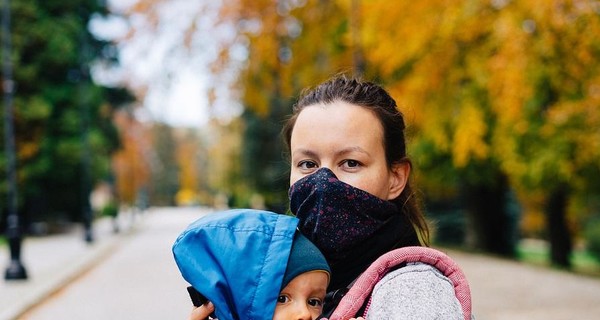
[350,190]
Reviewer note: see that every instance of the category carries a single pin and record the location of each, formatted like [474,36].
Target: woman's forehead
[340,125]
[338,112]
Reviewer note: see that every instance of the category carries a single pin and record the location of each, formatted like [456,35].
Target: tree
[505,89]
[189,145]
[285,53]
[263,44]
[133,162]
[549,138]
[56,104]
[430,62]
[164,180]
[500,96]
[223,167]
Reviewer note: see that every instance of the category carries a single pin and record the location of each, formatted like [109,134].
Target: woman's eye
[282,299]
[351,163]
[315,302]
[306,165]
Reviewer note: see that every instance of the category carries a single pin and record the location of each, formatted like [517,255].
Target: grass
[538,253]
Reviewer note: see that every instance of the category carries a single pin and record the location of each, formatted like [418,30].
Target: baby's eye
[315,302]
[283,299]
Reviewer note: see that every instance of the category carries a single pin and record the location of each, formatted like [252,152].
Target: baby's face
[303,297]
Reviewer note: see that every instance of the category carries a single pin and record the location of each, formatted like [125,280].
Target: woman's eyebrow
[340,152]
[304,152]
[348,150]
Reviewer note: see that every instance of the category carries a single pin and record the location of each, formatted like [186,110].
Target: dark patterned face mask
[336,216]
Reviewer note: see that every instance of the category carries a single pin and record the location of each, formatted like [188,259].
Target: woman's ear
[400,172]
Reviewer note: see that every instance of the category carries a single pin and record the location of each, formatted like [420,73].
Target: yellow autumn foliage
[514,83]
[469,136]
[130,164]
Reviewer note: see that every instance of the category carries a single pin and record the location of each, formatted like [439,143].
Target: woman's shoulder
[415,291]
[419,271]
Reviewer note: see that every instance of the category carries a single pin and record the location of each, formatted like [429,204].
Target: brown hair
[378,100]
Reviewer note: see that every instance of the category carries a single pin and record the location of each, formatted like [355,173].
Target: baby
[253,264]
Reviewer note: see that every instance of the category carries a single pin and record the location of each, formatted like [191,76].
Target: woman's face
[347,139]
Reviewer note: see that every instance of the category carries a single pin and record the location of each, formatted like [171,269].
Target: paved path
[135,278]
[138,281]
[503,289]
[54,261]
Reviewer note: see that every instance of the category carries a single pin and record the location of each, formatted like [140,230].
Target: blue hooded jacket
[237,259]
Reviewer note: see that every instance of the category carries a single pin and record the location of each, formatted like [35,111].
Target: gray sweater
[417,291]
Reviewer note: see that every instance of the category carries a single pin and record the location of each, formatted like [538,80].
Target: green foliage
[110,210]
[33,109]
[592,237]
[56,106]
[264,170]
[538,253]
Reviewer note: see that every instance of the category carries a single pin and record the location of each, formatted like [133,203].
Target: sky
[175,79]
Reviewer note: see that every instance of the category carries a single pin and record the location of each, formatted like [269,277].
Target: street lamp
[85,168]
[86,157]
[15,269]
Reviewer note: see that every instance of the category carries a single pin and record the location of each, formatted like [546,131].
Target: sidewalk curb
[45,288]
[52,286]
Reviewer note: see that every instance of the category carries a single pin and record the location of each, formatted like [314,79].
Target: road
[140,280]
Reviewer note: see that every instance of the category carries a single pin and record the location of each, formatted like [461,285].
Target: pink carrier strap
[363,286]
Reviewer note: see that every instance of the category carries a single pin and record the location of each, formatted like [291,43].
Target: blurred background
[128,104]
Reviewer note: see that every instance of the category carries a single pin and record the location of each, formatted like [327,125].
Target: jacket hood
[237,259]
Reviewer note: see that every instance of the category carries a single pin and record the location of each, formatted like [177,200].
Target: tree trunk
[561,245]
[491,227]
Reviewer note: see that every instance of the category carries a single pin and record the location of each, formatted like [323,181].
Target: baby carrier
[358,297]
